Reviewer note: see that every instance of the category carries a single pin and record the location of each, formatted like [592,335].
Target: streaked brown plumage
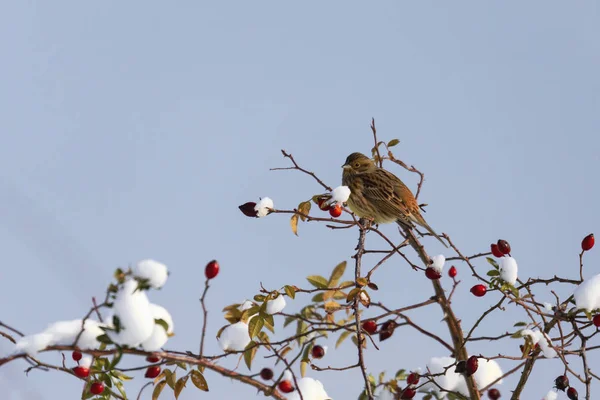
[380,195]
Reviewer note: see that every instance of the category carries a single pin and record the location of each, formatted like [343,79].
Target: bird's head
[358,163]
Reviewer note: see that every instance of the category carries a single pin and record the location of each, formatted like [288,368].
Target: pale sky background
[133,130]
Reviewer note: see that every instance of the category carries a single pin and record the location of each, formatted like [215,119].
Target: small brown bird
[380,195]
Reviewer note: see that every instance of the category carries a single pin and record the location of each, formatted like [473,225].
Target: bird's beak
[345,166]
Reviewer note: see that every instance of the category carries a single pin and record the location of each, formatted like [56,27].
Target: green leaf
[290,291]
[162,323]
[199,381]
[249,353]
[294,224]
[301,327]
[516,335]
[179,386]
[520,324]
[259,298]
[171,378]
[353,293]
[288,320]
[337,274]
[115,359]
[493,272]
[342,337]
[303,365]
[401,374]
[121,376]
[157,389]
[104,339]
[362,281]
[492,262]
[269,322]
[319,297]
[255,326]
[121,389]
[317,281]
[393,142]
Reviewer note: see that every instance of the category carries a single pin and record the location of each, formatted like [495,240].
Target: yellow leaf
[179,386]
[199,381]
[294,224]
[157,389]
[337,273]
[304,208]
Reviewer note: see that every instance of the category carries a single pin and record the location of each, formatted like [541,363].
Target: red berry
[322,202]
[452,272]
[412,379]
[408,393]
[212,269]
[286,386]
[97,388]
[495,250]
[335,211]
[561,382]
[153,358]
[588,242]
[318,351]
[81,372]
[432,273]
[266,374]
[248,209]
[152,372]
[472,365]
[572,393]
[479,290]
[370,326]
[503,246]
[76,355]
[494,394]
[387,330]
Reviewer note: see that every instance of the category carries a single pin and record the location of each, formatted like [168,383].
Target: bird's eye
[356,165]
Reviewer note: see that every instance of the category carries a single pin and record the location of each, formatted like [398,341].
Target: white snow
[61,333]
[159,336]
[587,294]
[276,305]
[132,308]
[549,306]
[155,272]
[438,262]
[246,305]
[340,195]
[551,395]
[235,337]
[487,372]
[86,361]
[538,336]
[508,270]
[263,206]
[310,388]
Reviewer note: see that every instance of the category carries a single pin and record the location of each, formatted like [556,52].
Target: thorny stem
[360,336]
[205,314]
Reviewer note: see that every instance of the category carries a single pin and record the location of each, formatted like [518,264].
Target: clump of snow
[287,375]
[155,272]
[340,194]
[508,270]
[276,305]
[549,306]
[310,388]
[488,372]
[551,395]
[235,337]
[246,305]
[86,361]
[263,206]
[437,262]
[538,337]
[159,336]
[132,309]
[62,333]
[587,294]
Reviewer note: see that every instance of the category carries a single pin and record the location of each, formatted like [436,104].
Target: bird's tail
[421,221]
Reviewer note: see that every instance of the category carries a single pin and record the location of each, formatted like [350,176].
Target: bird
[381,196]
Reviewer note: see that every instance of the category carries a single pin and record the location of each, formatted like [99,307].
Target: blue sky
[134,130]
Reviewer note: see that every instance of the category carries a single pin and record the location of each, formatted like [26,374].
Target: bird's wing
[380,188]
